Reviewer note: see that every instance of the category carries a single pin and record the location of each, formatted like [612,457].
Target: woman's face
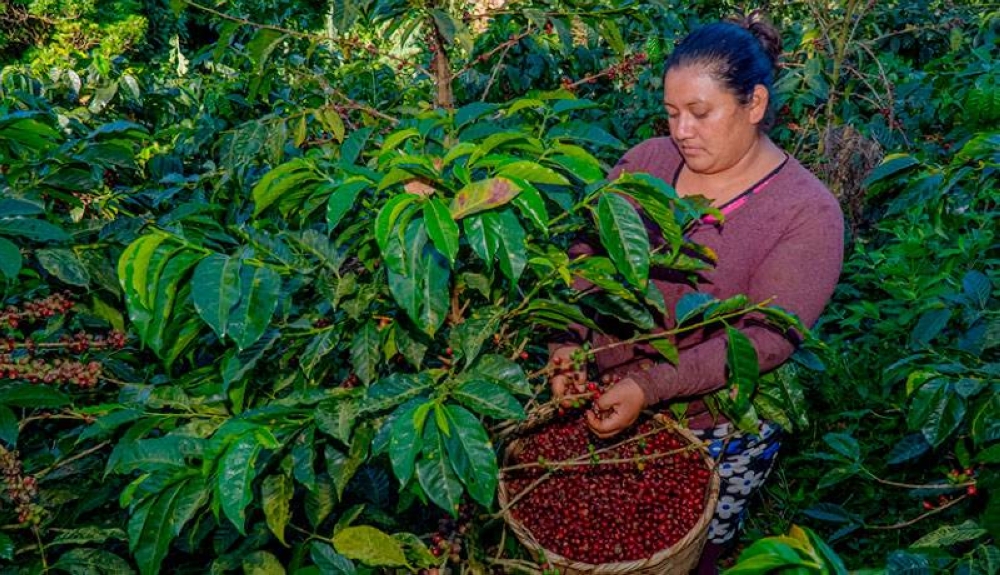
[713,130]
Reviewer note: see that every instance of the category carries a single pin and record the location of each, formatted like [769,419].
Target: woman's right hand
[566,378]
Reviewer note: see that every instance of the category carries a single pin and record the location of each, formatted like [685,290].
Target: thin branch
[919,518]
[69,460]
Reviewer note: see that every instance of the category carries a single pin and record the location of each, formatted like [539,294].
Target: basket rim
[697,531]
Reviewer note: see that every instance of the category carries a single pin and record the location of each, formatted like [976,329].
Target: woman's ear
[758,103]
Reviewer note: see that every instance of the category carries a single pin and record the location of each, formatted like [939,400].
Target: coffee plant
[277,279]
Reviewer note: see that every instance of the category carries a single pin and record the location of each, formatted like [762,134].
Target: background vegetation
[276,276]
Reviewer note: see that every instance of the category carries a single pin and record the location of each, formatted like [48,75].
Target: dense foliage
[277,281]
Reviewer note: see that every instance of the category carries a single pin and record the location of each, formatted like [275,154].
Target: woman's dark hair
[740,53]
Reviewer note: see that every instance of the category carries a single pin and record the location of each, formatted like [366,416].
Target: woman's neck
[720,187]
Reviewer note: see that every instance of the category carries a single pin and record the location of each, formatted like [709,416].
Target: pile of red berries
[621,499]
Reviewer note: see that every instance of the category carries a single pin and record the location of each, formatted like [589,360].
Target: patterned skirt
[744,462]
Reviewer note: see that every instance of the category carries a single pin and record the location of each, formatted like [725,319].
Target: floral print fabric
[744,462]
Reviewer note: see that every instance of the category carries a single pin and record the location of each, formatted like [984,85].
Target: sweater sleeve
[798,275]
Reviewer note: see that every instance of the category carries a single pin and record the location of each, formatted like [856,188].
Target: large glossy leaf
[441,228]
[743,369]
[406,440]
[512,252]
[936,411]
[292,176]
[10,259]
[329,561]
[624,236]
[216,290]
[502,371]
[435,473]
[337,417]
[65,265]
[532,172]
[158,519]
[32,229]
[342,199]
[471,454]
[276,496]
[370,546]
[388,219]
[366,352]
[342,467]
[234,482]
[483,195]
[262,563]
[484,244]
[422,287]
[260,288]
[489,399]
[32,396]
[9,428]
[396,389]
[532,207]
[86,561]
[169,278]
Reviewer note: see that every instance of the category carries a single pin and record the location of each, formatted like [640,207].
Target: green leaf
[396,389]
[471,454]
[502,371]
[406,440]
[929,326]
[667,349]
[484,244]
[32,229]
[441,228]
[158,519]
[512,253]
[743,369]
[532,172]
[948,535]
[908,448]
[6,547]
[692,305]
[329,561]
[9,428]
[531,205]
[845,445]
[422,286]
[586,168]
[262,563]
[276,497]
[483,195]
[386,221]
[84,561]
[370,546]
[10,259]
[337,417]
[489,399]
[977,287]
[260,288]
[366,352]
[290,176]
[234,485]
[936,410]
[624,236]
[320,501]
[215,290]
[342,199]
[393,140]
[19,207]
[891,165]
[33,396]
[435,473]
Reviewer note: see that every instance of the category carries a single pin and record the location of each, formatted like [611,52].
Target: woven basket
[678,559]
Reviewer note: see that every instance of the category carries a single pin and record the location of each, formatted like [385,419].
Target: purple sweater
[783,243]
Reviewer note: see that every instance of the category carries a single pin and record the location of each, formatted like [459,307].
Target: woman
[781,240]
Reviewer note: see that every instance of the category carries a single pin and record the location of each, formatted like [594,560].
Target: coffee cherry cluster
[22,490]
[57,371]
[36,310]
[640,493]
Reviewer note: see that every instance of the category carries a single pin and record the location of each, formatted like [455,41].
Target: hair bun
[757,23]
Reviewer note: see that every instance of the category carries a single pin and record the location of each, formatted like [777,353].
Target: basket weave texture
[678,559]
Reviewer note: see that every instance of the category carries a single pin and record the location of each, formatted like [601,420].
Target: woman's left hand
[617,408]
